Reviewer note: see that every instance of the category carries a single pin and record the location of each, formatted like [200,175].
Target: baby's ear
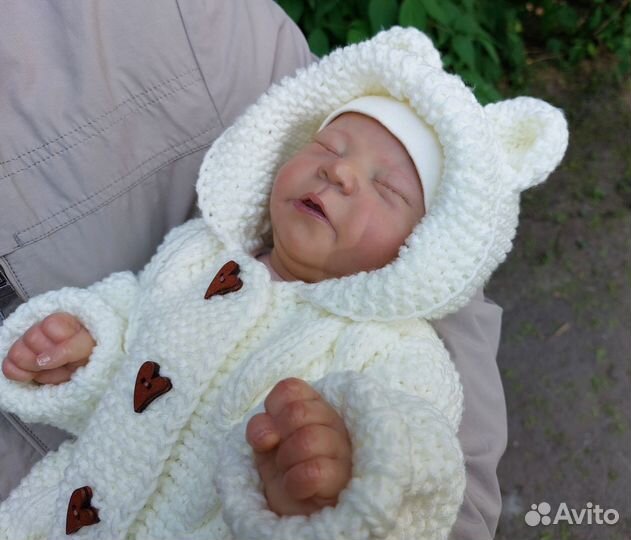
[532,135]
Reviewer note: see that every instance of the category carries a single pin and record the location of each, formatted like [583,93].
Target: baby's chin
[312,267]
[298,266]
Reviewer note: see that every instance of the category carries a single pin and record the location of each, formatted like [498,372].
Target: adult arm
[104,127]
[472,336]
[107,110]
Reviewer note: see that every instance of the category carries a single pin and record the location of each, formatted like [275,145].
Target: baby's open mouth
[314,206]
[311,204]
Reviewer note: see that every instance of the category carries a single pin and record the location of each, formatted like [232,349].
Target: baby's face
[372,199]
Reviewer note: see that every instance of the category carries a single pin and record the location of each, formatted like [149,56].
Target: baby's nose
[343,173]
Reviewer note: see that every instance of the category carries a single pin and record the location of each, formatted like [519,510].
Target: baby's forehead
[362,127]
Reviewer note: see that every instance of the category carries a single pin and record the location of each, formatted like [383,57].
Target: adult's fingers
[286,391]
[319,477]
[311,442]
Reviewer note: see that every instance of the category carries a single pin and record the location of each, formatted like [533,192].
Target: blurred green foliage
[486,42]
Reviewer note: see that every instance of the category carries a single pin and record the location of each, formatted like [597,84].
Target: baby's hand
[50,351]
[302,449]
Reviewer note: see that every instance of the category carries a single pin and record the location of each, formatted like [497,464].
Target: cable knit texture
[182,467]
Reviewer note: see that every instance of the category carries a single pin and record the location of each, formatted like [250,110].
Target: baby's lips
[315,200]
[322,216]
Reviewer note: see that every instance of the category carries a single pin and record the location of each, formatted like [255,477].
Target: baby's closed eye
[386,186]
[396,193]
[329,148]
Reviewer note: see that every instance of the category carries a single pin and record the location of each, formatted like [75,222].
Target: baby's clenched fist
[50,351]
[302,449]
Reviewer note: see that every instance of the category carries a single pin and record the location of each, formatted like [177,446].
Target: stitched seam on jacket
[104,129]
[194,55]
[27,433]
[118,194]
[24,294]
[101,117]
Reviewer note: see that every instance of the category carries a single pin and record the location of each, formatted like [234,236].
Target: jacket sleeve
[472,336]
[103,308]
[408,474]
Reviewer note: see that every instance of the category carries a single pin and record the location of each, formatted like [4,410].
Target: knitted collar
[492,153]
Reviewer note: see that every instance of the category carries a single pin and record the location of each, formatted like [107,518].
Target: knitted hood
[491,154]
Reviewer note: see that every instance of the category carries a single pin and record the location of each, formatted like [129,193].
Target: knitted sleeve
[103,309]
[408,474]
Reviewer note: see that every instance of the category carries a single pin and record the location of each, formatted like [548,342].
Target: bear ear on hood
[412,41]
[532,136]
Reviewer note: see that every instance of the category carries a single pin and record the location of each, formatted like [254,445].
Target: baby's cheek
[377,243]
[291,172]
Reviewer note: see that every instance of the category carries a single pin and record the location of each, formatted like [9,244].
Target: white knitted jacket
[182,467]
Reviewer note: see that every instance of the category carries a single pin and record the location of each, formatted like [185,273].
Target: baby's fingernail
[42,359]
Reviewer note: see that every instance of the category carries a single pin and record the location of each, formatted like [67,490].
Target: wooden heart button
[80,511]
[225,281]
[149,385]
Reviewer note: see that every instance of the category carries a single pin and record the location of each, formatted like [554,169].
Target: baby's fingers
[19,358]
[43,336]
[59,327]
[34,350]
[52,376]
[12,372]
[321,477]
[56,376]
[261,433]
[75,350]
[310,442]
[301,413]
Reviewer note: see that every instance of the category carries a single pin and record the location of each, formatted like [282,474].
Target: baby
[187,385]
[344,203]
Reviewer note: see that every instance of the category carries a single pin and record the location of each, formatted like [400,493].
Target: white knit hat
[490,154]
[413,133]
